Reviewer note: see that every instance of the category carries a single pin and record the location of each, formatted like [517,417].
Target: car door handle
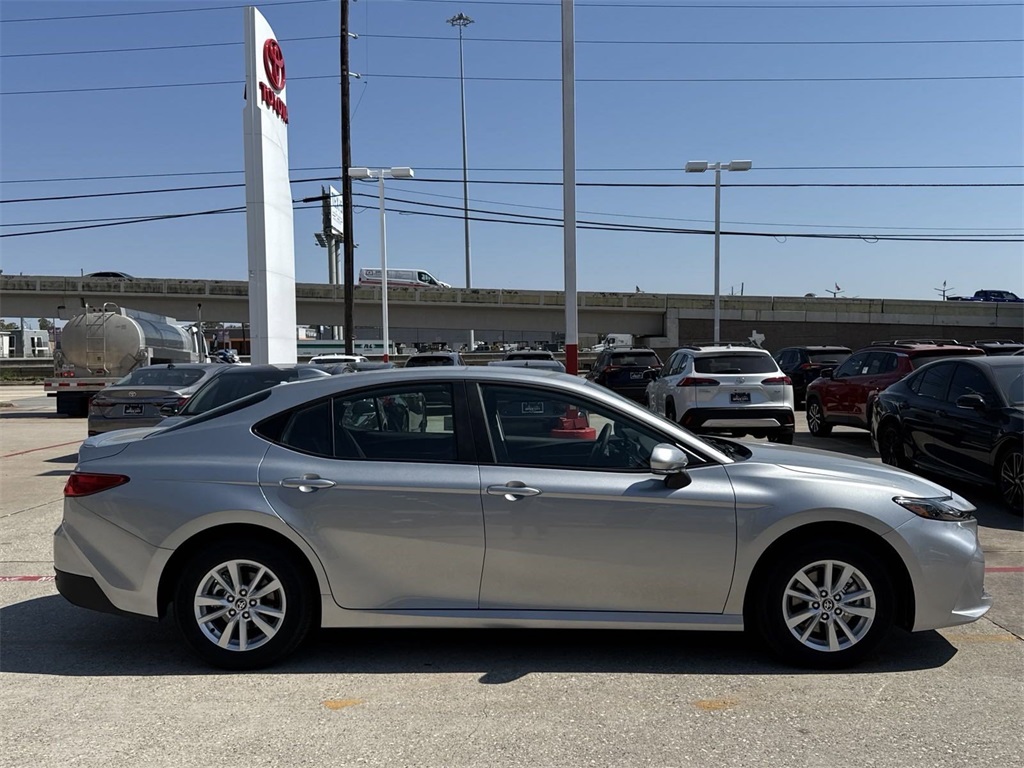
[307,483]
[513,491]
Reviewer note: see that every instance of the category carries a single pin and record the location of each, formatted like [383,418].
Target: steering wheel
[601,445]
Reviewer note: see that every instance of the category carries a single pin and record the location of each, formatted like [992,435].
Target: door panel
[608,541]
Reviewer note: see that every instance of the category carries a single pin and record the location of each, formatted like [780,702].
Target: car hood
[842,469]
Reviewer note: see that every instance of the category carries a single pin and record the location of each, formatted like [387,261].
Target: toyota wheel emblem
[273,63]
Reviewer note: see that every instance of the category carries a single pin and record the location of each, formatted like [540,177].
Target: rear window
[735,363]
[645,359]
[420,362]
[162,377]
[216,413]
[231,386]
[828,358]
[916,361]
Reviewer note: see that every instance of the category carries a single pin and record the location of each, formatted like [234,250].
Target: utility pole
[346,185]
[462,21]
[944,290]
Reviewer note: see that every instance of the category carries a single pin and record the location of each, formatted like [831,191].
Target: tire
[283,614]
[670,411]
[890,446]
[1010,478]
[823,639]
[785,438]
[816,423]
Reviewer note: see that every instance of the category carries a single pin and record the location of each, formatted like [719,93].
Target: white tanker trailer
[98,347]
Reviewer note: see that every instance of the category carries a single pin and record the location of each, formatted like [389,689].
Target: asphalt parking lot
[88,689]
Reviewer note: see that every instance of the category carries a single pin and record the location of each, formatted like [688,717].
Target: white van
[402,278]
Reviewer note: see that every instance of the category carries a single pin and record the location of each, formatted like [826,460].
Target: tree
[45,324]
[9,326]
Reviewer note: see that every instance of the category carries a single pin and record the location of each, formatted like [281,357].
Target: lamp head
[696,166]
[740,165]
[402,173]
[360,173]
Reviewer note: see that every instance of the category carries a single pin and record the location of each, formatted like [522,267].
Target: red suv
[847,394]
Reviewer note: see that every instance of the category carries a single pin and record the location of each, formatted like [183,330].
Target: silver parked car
[146,395]
[358,501]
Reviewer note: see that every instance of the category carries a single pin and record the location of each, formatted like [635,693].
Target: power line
[204,9]
[611,184]
[549,41]
[742,6]
[120,177]
[626,80]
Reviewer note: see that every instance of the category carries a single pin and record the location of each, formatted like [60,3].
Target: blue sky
[651,128]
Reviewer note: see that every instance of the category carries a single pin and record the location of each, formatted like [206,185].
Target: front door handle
[512,491]
[307,483]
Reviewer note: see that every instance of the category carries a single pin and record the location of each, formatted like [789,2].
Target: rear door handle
[307,483]
[513,491]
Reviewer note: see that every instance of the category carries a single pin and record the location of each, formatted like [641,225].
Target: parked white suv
[728,389]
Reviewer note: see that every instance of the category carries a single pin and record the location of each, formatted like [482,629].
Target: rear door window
[934,382]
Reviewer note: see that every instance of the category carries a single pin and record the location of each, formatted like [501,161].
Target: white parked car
[338,358]
[727,389]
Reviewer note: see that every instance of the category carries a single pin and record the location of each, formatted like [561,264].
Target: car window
[878,363]
[734,362]
[162,377]
[411,423]
[1011,382]
[969,380]
[851,367]
[539,428]
[421,362]
[934,382]
[828,358]
[231,386]
[675,363]
[918,360]
[785,358]
[646,359]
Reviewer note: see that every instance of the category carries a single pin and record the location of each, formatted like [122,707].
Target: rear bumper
[84,592]
[773,420]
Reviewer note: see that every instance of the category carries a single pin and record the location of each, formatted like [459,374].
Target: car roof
[179,366]
[910,346]
[819,348]
[235,370]
[732,350]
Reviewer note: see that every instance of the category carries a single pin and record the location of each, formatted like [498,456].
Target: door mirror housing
[826,373]
[670,461]
[974,402]
[170,409]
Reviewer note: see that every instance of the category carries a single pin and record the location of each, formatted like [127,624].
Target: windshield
[162,377]
[1010,380]
[828,358]
[644,359]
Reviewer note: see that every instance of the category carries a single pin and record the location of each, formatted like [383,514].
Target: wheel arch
[905,608]
[188,548]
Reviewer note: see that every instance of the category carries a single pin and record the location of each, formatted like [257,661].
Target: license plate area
[636,375]
[533,409]
[739,397]
[133,409]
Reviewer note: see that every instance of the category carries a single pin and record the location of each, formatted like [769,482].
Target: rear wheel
[890,446]
[1010,477]
[816,423]
[243,604]
[670,411]
[826,604]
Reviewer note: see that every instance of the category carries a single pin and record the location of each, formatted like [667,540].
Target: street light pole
[462,21]
[699,166]
[380,175]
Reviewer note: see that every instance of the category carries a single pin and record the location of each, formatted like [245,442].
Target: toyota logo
[131,394]
[273,63]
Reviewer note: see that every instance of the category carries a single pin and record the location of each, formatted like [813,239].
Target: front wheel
[243,605]
[816,423]
[826,604]
[890,446]
[1010,477]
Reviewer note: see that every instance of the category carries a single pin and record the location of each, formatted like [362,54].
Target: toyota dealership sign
[268,198]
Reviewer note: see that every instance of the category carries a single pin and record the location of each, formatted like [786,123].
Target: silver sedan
[484,497]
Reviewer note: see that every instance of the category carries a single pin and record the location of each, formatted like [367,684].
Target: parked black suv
[625,370]
[804,364]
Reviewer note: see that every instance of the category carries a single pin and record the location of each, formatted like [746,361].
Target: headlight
[951,508]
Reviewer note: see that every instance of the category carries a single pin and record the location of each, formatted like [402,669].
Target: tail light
[806,366]
[100,402]
[180,402]
[693,381]
[778,380]
[87,483]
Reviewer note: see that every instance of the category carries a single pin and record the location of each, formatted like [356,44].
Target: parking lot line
[44,448]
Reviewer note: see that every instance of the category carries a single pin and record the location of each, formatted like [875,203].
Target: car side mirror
[974,402]
[170,409]
[670,461]
[826,373]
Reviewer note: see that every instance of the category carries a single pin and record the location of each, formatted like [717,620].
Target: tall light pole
[462,21]
[699,166]
[380,175]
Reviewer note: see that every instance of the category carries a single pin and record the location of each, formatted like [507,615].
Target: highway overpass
[665,320]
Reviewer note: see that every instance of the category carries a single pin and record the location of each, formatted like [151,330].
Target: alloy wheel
[829,606]
[240,605]
[890,447]
[1011,479]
